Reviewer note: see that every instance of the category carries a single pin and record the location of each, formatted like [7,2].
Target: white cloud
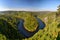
[17,9]
[24,9]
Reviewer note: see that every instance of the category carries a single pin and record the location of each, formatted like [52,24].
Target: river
[24,32]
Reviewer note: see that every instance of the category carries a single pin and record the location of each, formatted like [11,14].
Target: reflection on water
[41,23]
[24,32]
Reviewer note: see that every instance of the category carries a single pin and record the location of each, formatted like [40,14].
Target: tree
[58,10]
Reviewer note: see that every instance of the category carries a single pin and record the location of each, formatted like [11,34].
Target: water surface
[24,32]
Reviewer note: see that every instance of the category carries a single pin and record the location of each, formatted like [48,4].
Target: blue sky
[44,5]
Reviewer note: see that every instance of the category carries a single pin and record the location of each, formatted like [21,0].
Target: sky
[29,5]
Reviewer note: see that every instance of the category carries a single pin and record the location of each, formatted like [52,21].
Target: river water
[24,32]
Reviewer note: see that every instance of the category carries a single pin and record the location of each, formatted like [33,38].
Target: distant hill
[33,12]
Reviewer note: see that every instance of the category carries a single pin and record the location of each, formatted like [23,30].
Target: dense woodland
[9,21]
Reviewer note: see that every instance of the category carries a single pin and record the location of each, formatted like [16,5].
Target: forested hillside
[9,29]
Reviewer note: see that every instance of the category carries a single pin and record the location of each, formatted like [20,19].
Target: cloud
[18,9]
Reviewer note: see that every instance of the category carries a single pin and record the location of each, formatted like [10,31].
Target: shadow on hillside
[58,25]
[8,30]
[58,37]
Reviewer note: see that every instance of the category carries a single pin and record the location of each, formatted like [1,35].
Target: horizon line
[9,9]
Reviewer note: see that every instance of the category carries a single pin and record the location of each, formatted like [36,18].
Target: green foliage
[9,31]
[30,23]
[2,37]
[58,10]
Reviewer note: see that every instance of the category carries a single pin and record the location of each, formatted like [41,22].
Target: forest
[26,25]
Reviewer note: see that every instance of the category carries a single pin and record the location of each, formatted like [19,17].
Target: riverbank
[26,33]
